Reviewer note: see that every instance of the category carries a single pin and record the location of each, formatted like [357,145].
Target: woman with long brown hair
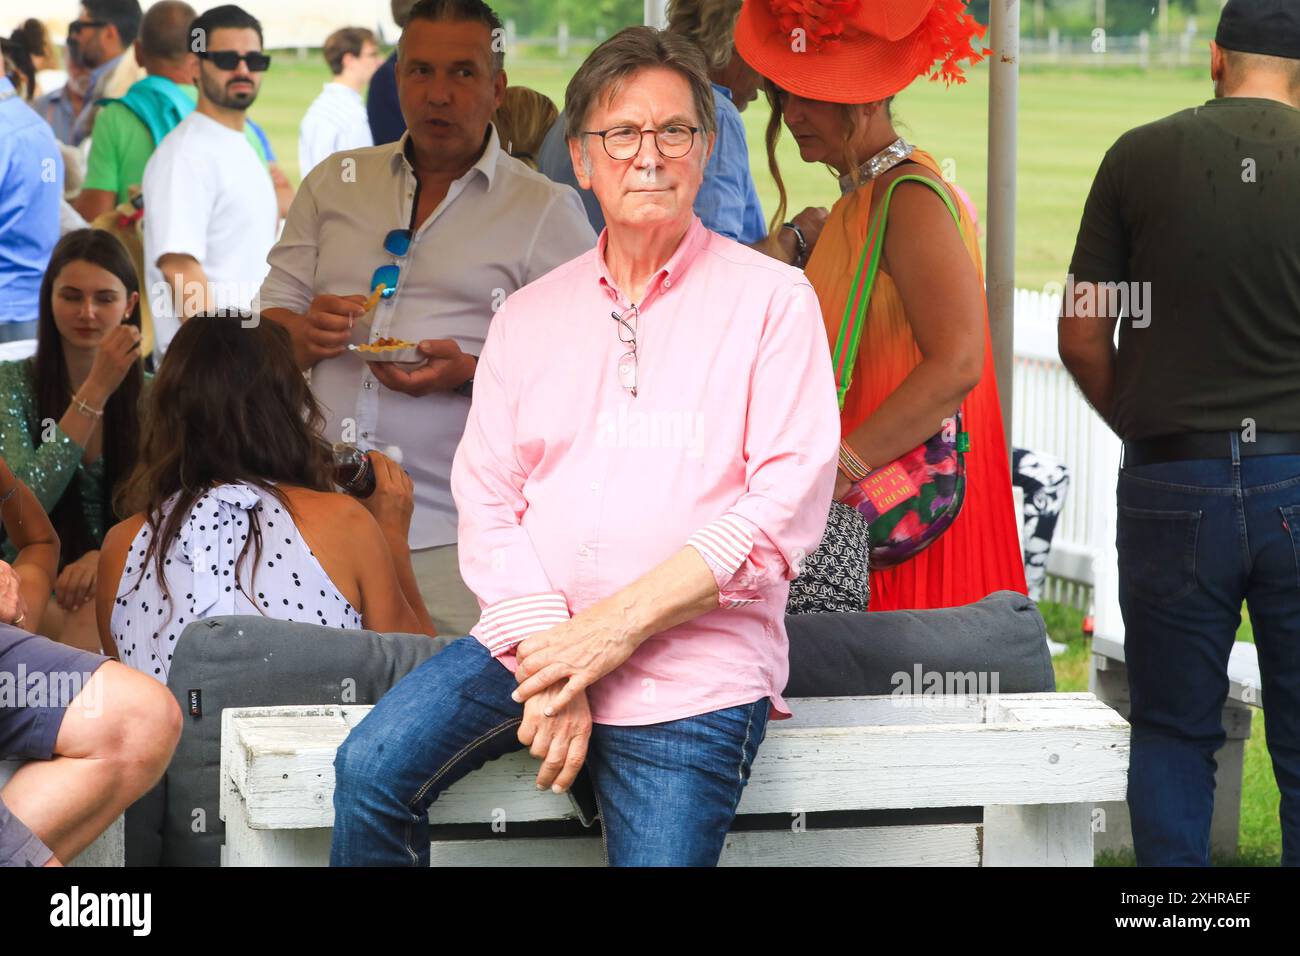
[235,510]
[70,419]
[911,304]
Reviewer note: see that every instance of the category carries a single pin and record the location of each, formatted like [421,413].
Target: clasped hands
[555,668]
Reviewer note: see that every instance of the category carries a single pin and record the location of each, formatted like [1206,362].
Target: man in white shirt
[211,211]
[336,120]
[456,225]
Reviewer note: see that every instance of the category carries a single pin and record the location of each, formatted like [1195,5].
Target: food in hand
[382,345]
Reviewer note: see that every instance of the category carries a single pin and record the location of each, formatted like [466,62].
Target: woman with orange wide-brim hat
[832,67]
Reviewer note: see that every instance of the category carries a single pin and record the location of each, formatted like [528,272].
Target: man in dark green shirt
[1190,240]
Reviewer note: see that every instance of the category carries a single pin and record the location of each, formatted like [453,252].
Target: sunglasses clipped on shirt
[397,244]
[229,60]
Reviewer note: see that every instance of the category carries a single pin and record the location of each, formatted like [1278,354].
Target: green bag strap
[845,355]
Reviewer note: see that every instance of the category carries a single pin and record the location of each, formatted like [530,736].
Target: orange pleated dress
[980,552]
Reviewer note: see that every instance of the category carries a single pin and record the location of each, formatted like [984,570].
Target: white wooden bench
[108,850]
[956,780]
[1108,679]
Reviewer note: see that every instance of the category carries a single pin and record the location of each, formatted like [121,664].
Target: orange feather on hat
[857,50]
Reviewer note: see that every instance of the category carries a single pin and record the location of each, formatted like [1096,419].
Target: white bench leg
[1058,834]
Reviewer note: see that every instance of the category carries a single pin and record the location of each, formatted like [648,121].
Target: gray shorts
[38,680]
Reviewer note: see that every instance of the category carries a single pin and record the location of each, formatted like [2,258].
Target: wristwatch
[466,388]
[801,244]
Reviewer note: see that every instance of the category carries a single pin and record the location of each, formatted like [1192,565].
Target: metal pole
[656,13]
[1000,277]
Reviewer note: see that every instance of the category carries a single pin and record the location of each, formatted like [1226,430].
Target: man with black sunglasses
[211,203]
[103,31]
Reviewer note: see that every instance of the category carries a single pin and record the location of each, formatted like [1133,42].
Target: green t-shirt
[122,144]
[1199,215]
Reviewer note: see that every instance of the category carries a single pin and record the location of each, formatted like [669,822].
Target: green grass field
[1068,119]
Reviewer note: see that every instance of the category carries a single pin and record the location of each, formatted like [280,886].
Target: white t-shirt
[207,194]
[336,120]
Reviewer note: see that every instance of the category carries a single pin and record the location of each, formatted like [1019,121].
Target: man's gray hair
[710,23]
[610,65]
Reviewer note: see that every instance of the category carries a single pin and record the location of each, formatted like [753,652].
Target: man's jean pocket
[1157,552]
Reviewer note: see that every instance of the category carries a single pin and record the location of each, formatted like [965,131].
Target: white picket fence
[1050,415]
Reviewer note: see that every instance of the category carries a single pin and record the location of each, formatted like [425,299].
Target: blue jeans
[667,792]
[1195,539]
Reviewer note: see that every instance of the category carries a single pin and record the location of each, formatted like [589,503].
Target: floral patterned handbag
[910,502]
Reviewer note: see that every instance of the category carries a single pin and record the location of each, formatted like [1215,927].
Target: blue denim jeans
[667,792]
[1195,540]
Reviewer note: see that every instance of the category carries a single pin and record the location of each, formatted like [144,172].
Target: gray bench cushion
[833,655]
[251,662]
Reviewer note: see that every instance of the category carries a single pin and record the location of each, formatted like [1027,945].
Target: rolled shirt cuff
[506,623]
[725,545]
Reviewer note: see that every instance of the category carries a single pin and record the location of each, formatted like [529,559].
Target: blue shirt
[99,78]
[31,186]
[383,108]
[727,202]
[554,163]
[56,109]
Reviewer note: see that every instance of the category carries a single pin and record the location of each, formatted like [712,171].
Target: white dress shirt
[336,120]
[500,226]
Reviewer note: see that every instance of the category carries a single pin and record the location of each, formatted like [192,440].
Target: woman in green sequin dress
[69,417]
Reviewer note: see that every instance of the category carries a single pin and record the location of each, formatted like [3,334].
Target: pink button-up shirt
[569,488]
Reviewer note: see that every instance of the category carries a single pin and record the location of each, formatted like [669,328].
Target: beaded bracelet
[854,468]
[86,409]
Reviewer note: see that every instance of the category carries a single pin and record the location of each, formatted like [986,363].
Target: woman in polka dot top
[235,512]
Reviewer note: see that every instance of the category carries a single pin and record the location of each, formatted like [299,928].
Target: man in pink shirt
[650,454]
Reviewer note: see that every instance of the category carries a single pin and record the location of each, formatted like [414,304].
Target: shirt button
[367,385]
[583,551]
[668,283]
[595,486]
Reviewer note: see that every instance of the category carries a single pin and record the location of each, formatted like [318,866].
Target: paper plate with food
[398,351]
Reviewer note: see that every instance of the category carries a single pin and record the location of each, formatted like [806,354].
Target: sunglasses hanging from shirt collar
[397,244]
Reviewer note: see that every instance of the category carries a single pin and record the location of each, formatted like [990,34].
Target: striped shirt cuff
[725,544]
[506,623]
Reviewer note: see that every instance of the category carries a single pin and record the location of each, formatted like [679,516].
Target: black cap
[1270,27]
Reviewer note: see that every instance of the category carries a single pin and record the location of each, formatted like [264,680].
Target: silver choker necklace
[887,158]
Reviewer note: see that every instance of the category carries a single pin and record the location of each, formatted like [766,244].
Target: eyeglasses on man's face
[229,59]
[623,142]
[76,26]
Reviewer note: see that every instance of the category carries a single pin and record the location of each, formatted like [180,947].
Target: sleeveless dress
[288,583]
[980,553]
